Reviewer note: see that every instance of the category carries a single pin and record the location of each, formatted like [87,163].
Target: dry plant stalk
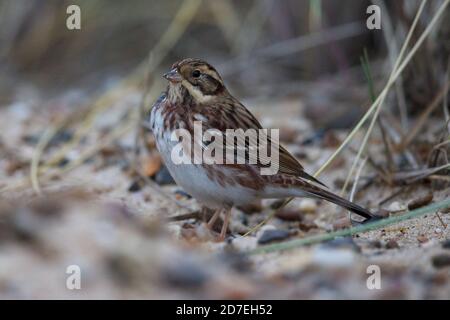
[180,23]
[376,105]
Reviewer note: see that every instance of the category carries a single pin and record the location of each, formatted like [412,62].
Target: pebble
[342,223]
[276,204]
[382,213]
[63,162]
[441,260]
[182,194]
[376,244]
[315,137]
[24,225]
[185,273]
[62,136]
[175,230]
[308,206]
[342,242]
[289,214]
[307,225]
[339,258]
[122,268]
[14,165]
[288,135]
[273,235]
[136,185]
[236,260]
[47,206]
[396,207]
[422,238]
[250,208]
[244,243]
[446,244]
[330,140]
[445,210]
[440,278]
[420,202]
[152,165]
[392,244]
[31,139]
[163,176]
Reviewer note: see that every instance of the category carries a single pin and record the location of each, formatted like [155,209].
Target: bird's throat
[177,94]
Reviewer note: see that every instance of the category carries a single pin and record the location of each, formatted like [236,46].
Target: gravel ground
[115,229]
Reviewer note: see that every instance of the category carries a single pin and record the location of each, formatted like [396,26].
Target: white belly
[193,178]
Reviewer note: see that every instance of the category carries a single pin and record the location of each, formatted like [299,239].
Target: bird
[196,93]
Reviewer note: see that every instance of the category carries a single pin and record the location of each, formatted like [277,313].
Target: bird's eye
[196,73]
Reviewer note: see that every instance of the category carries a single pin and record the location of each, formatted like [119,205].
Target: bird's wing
[233,115]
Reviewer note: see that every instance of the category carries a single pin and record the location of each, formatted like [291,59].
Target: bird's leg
[226,221]
[213,219]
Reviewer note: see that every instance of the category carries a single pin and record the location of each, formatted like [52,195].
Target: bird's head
[195,77]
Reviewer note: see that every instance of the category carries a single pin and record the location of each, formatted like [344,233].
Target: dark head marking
[201,79]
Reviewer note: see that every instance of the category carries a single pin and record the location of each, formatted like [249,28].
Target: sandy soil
[125,246]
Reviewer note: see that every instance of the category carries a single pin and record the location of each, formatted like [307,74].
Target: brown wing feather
[234,115]
[290,165]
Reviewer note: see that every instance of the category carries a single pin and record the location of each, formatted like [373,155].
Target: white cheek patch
[196,93]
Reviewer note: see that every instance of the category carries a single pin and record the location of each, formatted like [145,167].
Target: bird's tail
[300,188]
[331,197]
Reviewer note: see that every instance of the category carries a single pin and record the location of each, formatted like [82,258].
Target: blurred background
[261,47]
[281,40]
[70,106]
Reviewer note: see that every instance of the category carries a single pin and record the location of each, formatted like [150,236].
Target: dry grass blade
[424,116]
[42,144]
[168,40]
[445,100]
[117,132]
[376,105]
[358,174]
[394,75]
[391,43]
[411,177]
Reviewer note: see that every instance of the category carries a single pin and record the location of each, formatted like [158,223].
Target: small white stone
[245,243]
[308,205]
[338,258]
[438,230]
[396,207]
[264,228]
[174,229]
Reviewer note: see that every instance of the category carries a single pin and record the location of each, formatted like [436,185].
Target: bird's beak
[173,76]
